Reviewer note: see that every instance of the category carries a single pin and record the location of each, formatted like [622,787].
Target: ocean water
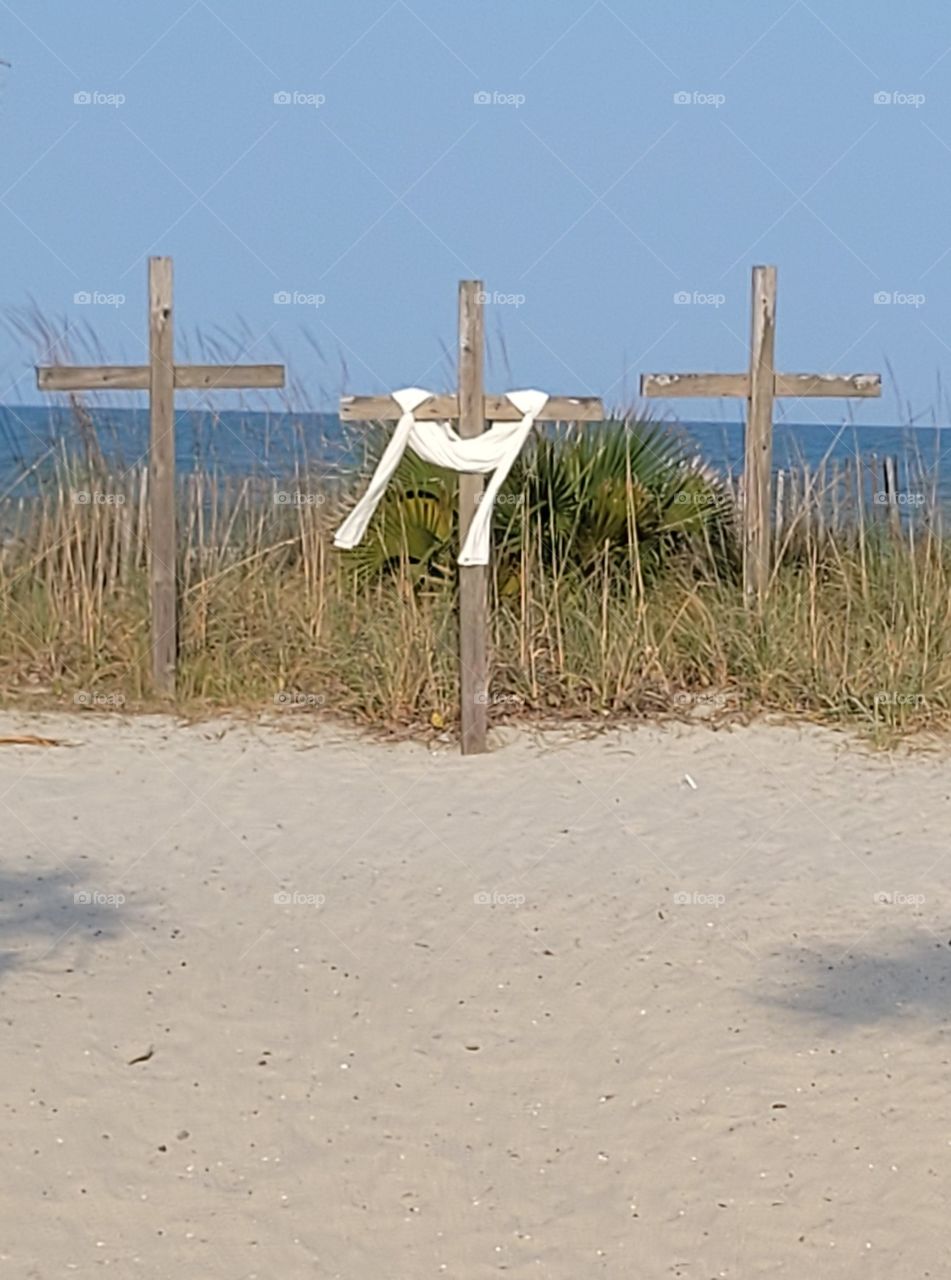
[233,442]
[240,443]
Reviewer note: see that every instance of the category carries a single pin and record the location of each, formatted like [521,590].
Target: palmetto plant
[615,492]
[413,528]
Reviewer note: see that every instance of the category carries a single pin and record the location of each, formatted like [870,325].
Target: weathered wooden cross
[473,409]
[161,377]
[759,387]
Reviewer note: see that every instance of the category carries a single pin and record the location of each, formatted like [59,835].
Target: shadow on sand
[859,987]
[42,911]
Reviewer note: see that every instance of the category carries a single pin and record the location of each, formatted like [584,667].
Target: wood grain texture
[831,385]
[162,477]
[758,448]
[495,409]
[228,377]
[473,579]
[119,377]
[680,385]
[795,385]
[188,377]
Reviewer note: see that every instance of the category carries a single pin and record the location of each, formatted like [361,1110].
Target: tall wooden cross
[473,408]
[161,378]
[759,387]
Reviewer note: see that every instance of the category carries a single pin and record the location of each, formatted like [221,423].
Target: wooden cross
[759,388]
[161,377]
[473,408]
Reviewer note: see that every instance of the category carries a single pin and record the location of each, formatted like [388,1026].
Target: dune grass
[856,629]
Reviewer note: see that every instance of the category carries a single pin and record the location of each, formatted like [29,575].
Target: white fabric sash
[494,450]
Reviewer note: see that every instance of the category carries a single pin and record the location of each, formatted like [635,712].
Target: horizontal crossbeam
[867,386]
[188,377]
[497,409]
[790,385]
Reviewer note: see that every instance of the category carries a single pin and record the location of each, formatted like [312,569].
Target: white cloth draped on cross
[493,451]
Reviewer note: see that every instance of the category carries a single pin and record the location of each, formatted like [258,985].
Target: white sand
[404,1082]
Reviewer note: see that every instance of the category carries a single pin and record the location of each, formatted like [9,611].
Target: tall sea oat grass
[856,628]
[620,611]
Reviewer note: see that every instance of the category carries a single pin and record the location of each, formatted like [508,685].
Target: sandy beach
[660,1003]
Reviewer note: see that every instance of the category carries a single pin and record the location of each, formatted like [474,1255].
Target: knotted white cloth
[494,450]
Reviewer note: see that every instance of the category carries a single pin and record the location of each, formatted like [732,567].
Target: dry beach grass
[855,630]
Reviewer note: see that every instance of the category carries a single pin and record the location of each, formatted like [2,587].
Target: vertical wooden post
[878,513]
[850,501]
[808,501]
[890,471]
[759,434]
[473,579]
[780,520]
[162,475]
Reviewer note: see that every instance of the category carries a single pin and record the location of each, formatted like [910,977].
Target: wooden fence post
[162,475]
[780,520]
[890,471]
[758,448]
[473,579]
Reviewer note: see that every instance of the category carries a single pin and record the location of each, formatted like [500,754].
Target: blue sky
[627,156]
